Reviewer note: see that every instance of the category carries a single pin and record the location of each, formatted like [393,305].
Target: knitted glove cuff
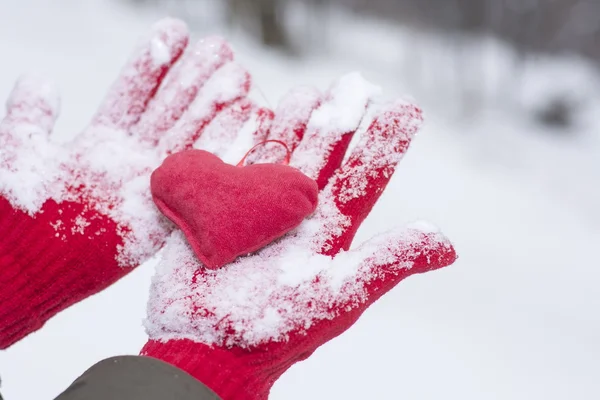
[43,272]
[223,371]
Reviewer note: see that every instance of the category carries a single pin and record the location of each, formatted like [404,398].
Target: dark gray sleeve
[136,378]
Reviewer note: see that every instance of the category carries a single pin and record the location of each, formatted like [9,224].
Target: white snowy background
[517,317]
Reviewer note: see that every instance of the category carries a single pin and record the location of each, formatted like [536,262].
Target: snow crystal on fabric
[243,142]
[26,155]
[181,86]
[228,84]
[151,58]
[340,113]
[159,52]
[372,157]
[34,99]
[223,129]
[293,113]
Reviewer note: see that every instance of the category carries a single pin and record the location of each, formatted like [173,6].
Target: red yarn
[285,161]
[48,270]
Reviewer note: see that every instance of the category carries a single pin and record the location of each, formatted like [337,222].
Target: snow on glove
[237,329]
[75,218]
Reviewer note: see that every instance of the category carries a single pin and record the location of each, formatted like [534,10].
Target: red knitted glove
[237,329]
[75,218]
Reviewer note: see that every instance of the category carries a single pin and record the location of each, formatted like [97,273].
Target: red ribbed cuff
[230,374]
[42,272]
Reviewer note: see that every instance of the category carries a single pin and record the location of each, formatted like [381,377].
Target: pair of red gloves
[75,218]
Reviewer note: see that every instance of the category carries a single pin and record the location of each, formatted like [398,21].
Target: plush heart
[226,211]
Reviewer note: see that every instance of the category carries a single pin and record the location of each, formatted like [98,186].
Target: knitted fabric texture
[47,273]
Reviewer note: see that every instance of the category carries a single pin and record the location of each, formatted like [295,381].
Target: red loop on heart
[286,160]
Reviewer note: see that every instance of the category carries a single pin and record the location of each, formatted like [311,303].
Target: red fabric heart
[226,211]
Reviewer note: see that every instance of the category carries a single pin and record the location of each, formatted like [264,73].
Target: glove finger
[358,184]
[292,115]
[139,80]
[224,128]
[365,274]
[33,103]
[246,149]
[181,87]
[331,127]
[227,85]
[356,279]
[264,117]
[288,125]
[235,130]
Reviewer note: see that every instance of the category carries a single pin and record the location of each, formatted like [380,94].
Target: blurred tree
[558,112]
[262,17]
[529,25]
[546,25]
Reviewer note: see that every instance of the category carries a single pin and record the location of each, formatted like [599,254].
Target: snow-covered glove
[238,328]
[76,217]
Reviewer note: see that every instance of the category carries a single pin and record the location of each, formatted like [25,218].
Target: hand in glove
[75,218]
[238,328]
